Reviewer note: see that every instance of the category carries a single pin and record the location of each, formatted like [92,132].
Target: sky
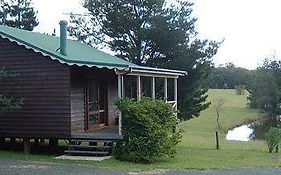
[251,29]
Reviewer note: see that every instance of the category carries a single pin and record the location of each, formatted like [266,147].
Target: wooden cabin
[68,89]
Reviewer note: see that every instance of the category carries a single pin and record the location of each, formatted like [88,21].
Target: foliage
[273,137]
[265,88]
[148,129]
[152,33]
[18,13]
[228,76]
[7,103]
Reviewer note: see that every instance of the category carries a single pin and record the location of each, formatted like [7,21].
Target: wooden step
[89,147]
[109,137]
[83,146]
[89,140]
[75,152]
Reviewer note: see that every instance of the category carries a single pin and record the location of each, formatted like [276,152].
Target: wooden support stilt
[26,145]
[36,142]
[42,141]
[12,141]
[54,143]
[2,142]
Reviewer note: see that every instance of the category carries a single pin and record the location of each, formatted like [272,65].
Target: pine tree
[151,33]
[18,13]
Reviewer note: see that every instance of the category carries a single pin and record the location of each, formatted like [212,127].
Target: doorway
[96,103]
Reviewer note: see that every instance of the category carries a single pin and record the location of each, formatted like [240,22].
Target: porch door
[96,104]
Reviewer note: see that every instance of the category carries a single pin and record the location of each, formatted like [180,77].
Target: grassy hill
[199,136]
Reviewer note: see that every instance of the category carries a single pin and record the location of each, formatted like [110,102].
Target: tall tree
[151,33]
[265,89]
[18,13]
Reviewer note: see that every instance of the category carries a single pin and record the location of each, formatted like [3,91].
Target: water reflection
[250,131]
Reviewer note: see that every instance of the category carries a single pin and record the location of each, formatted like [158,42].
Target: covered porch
[134,82]
[145,80]
[101,88]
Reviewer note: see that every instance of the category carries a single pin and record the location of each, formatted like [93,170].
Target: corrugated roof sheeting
[77,53]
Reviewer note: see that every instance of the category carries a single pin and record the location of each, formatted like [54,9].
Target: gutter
[152,70]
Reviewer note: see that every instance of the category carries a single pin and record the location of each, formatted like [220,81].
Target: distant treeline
[228,76]
[263,85]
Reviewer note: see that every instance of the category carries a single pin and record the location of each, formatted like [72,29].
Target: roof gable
[77,53]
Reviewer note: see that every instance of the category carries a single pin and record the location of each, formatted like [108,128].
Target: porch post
[119,86]
[166,89]
[122,87]
[138,88]
[153,88]
[120,95]
[176,93]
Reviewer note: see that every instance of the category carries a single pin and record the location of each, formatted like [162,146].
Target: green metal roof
[77,53]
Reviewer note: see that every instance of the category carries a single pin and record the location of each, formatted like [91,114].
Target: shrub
[273,137]
[149,131]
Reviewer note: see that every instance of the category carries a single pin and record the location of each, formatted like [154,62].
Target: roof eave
[155,72]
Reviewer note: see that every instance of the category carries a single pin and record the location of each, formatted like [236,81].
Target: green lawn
[197,149]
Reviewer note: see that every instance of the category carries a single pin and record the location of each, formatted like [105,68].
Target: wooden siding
[112,98]
[44,85]
[77,102]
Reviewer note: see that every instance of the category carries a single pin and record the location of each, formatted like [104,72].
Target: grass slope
[197,149]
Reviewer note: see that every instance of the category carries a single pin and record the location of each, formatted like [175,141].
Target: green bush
[149,131]
[273,137]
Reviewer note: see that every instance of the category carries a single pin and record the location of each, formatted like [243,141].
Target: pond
[247,132]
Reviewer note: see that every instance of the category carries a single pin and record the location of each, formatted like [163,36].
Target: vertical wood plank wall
[77,101]
[112,98]
[44,85]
